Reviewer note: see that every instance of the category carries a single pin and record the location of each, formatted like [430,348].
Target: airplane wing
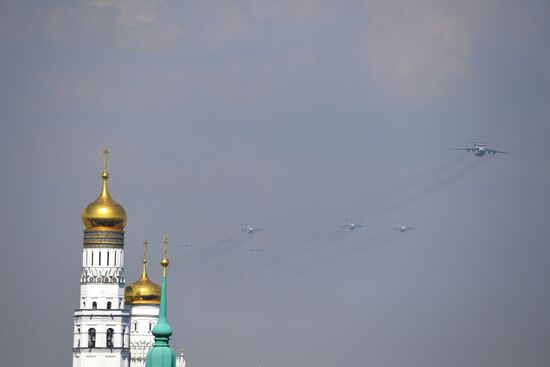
[492,151]
[466,149]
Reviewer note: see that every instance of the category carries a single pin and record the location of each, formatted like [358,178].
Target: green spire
[161,355]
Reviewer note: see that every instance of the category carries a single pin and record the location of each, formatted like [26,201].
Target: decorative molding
[92,274]
[103,239]
[139,348]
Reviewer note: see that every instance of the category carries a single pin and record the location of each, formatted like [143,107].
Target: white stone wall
[100,358]
[101,307]
[143,320]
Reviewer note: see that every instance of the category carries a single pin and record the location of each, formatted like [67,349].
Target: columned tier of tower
[102,266]
[102,278]
[101,338]
[101,329]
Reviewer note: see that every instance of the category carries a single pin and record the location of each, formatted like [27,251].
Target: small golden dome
[104,211]
[144,291]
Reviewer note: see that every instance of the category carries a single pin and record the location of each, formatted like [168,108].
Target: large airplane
[480,149]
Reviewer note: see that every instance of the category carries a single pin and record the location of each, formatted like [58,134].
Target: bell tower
[101,322]
[142,298]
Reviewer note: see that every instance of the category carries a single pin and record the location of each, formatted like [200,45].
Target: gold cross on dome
[145,243]
[164,262]
[105,154]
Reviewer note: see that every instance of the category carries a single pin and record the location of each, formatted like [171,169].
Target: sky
[296,116]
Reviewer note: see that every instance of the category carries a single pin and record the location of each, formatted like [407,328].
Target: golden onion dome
[104,211]
[144,291]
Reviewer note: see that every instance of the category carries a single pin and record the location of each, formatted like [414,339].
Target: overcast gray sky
[296,116]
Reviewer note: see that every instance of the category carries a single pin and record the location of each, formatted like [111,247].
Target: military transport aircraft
[479,149]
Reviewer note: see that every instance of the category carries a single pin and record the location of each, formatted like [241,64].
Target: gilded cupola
[104,212]
[144,291]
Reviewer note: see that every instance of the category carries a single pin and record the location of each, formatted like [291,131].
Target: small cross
[105,153]
[145,251]
[164,262]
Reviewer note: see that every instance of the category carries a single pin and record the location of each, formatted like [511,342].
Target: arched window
[94,305]
[109,305]
[110,333]
[91,338]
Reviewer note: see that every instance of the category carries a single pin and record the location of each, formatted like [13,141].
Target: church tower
[101,323]
[142,298]
[161,355]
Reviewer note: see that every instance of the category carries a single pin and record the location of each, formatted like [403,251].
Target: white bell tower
[101,323]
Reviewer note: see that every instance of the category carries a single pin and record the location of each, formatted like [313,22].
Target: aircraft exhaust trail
[232,245]
[372,243]
[456,173]
[417,179]
[444,173]
[364,244]
[433,187]
[338,236]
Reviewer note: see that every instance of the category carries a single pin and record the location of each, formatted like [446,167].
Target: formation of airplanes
[477,148]
[249,229]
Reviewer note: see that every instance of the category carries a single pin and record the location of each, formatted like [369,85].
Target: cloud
[131,12]
[227,21]
[288,11]
[160,35]
[141,25]
[418,49]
